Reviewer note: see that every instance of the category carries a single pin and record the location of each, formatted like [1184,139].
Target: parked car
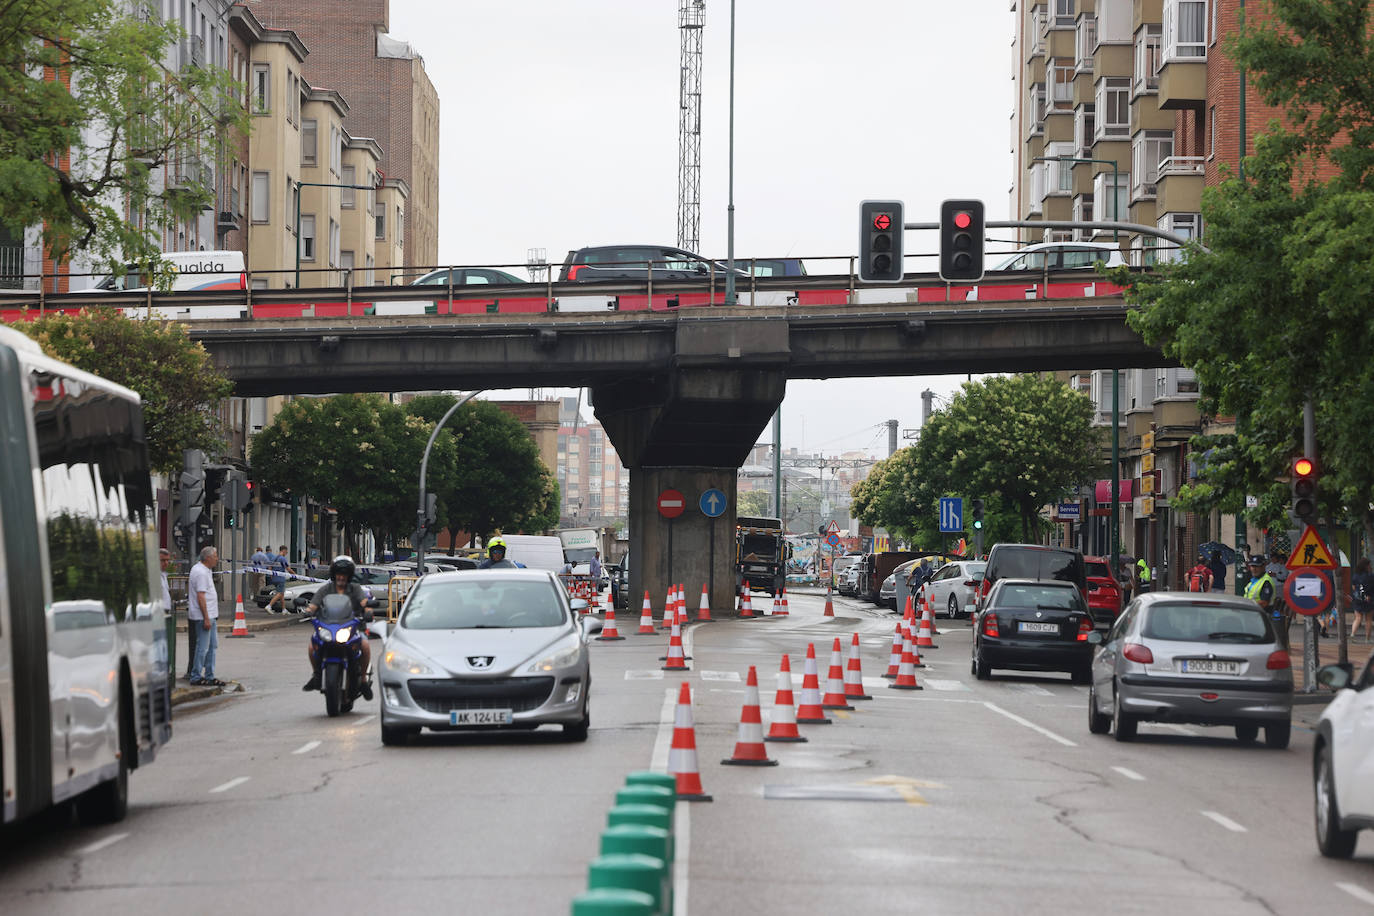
[887,592]
[499,649]
[1104,591]
[953,587]
[1063,256]
[1033,561]
[633,262]
[1176,657]
[466,276]
[295,588]
[1342,753]
[847,582]
[1033,625]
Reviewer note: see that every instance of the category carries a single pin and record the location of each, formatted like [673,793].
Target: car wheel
[980,667]
[396,735]
[1247,733]
[952,611]
[1277,733]
[1332,841]
[1099,723]
[1123,723]
[578,732]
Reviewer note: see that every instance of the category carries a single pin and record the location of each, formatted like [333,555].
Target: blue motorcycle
[337,637]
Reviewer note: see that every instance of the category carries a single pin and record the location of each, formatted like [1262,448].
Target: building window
[307,237]
[293,202]
[1058,174]
[1112,107]
[1085,43]
[1083,212]
[595,469]
[371,192]
[562,442]
[1061,75]
[333,243]
[346,261]
[1103,197]
[1147,58]
[261,202]
[400,226]
[1039,22]
[309,141]
[369,276]
[1148,150]
[262,88]
[292,89]
[348,196]
[335,149]
[595,453]
[1084,123]
[1185,30]
[379,225]
[1063,14]
[1037,104]
[1188,225]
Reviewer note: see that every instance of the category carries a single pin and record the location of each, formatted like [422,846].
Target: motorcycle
[338,634]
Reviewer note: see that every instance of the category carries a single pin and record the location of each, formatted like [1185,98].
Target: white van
[536,551]
[195,270]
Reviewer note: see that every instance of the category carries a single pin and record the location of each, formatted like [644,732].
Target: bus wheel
[108,802]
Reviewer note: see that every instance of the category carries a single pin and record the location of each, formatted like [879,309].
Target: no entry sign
[671,503]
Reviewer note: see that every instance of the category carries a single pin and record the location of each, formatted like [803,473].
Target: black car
[1033,625]
[634,262]
[1033,561]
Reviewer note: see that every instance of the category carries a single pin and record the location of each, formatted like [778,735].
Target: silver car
[1179,657]
[487,649]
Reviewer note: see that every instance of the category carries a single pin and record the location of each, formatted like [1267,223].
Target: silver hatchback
[1205,660]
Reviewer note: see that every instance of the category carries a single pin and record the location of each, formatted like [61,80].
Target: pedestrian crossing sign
[1310,551]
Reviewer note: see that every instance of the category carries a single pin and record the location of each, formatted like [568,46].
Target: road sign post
[712,503]
[670,505]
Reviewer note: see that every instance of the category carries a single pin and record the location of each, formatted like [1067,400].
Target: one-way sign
[951,514]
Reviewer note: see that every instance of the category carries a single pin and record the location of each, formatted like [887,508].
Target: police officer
[1264,591]
[1142,575]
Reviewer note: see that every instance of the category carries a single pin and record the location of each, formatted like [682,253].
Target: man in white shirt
[203,612]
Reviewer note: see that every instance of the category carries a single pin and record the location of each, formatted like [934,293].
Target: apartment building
[593,485]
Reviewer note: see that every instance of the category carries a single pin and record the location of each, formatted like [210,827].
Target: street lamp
[730,298]
[316,184]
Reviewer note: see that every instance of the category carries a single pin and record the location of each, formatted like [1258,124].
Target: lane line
[101,844]
[663,742]
[1224,821]
[306,748]
[1034,689]
[225,787]
[1031,725]
[682,815]
[1356,891]
[1129,774]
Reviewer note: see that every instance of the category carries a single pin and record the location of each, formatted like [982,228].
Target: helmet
[342,566]
[494,543]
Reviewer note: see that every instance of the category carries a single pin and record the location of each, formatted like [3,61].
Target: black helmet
[342,566]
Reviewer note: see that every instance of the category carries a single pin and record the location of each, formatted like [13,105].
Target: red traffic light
[963,219]
[882,221]
[1304,467]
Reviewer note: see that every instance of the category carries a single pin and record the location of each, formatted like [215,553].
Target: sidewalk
[1328,652]
[258,619]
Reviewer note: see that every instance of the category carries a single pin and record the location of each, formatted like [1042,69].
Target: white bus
[84,691]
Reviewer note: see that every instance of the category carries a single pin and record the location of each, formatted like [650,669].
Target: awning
[1103,492]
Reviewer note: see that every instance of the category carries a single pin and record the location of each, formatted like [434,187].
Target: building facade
[593,485]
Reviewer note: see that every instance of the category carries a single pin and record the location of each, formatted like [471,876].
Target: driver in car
[341,573]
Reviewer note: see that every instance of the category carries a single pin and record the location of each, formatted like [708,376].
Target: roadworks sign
[1310,551]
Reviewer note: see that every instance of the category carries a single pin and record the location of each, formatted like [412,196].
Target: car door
[682,265]
[1105,659]
[1352,749]
[937,589]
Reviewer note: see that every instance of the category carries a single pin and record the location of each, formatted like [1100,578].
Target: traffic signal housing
[1304,486]
[880,241]
[977,514]
[961,240]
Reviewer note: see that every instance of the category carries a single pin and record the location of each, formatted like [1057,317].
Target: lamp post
[730,297]
[316,184]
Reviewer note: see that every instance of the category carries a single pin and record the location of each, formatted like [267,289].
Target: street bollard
[630,871]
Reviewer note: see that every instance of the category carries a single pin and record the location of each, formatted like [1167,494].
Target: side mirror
[1337,677]
[1095,638]
[579,605]
[377,629]
[592,625]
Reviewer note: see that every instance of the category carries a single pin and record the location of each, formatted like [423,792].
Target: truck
[579,544]
[877,567]
[760,554]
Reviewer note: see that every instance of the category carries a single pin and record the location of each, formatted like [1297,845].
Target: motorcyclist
[496,556]
[341,582]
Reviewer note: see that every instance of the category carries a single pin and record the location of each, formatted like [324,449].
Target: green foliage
[121,115]
[173,375]
[753,503]
[1017,442]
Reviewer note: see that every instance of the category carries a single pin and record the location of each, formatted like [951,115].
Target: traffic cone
[923,639]
[669,610]
[930,616]
[704,609]
[784,724]
[894,659]
[646,619]
[810,711]
[609,632]
[829,604]
[240,622]
[682,604]
[749,749]
[834,682]
[784,612]
[906,674]
[682,756]
[746,609]
[854,674]
[593,605]
[675,661]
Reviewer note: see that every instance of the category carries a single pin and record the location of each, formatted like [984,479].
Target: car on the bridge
[1184,658]
[486,649]
[1033,625]
[1062,256]
[640,262]
[773,267]
[466,276]
[1342,753]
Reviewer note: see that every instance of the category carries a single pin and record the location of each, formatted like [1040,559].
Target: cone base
[905,687]
[647,633]
[926,645]
[608,638]
[242,635]
[836,706]
[857,696]
[748,762]
[888,676]
[792,738]
[809,721]
[698,797]
[685,658]
[675,668]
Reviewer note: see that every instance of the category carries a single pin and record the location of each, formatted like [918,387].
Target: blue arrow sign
[713,503]
[951,514]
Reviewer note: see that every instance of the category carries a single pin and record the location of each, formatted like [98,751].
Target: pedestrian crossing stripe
[1310,551]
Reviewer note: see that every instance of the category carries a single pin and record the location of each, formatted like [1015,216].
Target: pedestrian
[203,614]
[282,567]
[1200,576]
[260,559]
[594,570]
[1362,598]
[1218,567]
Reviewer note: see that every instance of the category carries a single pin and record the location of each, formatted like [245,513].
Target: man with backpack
[1200,576]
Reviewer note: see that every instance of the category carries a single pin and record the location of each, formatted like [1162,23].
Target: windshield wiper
[1252,637]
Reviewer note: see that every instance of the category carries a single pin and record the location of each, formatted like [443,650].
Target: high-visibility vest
[1144,570]
[1252,591]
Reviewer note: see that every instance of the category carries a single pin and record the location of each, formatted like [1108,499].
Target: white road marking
[719,676]
[1026,688]
[663,742]
[364,720]
[225,787]
[939,684]
[1129,774]
[1356,891]
[1031,725]
[101,844]
[682,815]
[1224,821]
[643,675]
[307,747]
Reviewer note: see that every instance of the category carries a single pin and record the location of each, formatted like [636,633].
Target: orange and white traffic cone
[829,604]
[593,603]
[676,660]
[783,610]
[923,639]
[854,674]
[746,609]
[682,604]
[646,619]
[894,659]
[834,683]
[669,610]
[749,749]
[784,724]
[809,712]
[704,609]
[930,615]
[240,622]
[609,632]
[682,756]
[906,674]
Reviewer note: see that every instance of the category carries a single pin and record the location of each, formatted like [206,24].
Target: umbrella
[1228,555]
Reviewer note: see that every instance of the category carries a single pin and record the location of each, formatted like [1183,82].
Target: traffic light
[1305,488]
[977,514]
[880,241]
[230,518]
[961,240]
[214,481]
[246,497]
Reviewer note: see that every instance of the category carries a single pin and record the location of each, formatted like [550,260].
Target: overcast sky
[560,129]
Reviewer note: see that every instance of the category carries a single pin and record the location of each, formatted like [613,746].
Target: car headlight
[400,663]
[561,658]
[343,635]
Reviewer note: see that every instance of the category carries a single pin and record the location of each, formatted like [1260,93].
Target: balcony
[192,52]
[1085,42]
[190,173]
[1182,83]
[1179,186]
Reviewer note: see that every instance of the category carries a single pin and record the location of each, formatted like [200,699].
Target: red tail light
[572,271]
[1139,654]
[243,281]
[989,624]
[1085,626]
[1278,661]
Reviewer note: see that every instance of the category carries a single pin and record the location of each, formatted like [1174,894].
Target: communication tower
[690,20]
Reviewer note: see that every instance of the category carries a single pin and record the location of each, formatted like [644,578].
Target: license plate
[480,717]
[1032,627]
[1209,666]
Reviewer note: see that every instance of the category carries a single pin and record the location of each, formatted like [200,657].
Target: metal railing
[1182,165]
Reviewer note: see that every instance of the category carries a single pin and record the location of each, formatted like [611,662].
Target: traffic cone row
[906,672]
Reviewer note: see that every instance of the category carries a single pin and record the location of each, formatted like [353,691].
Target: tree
[501,483]
[753,503]
[1275,311]
[90,119]
[180,387]
[1016,441]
